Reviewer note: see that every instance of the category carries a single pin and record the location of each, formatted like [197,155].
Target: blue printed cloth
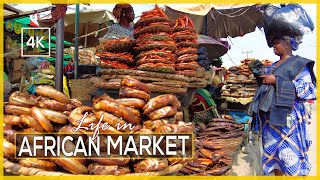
[286,148]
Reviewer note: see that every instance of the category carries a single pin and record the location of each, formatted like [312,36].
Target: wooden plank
[28,13]
[186,115]
[10,8]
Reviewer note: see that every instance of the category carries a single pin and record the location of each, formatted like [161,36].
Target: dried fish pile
[185,37]
[241,83]
[215,145]
[154,44]
[115,53]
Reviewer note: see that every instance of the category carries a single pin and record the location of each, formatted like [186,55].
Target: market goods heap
[186,39]
[154,44]
[215,146]
[52,112]
[157,61]
[241,83]
[115,53]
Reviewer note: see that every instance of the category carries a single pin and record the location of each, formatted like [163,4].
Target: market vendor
[125,16]
[203,107]
[282,113]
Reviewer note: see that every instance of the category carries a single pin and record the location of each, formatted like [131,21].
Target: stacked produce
[52,112]
[114,53]
[185,37]
[86,56]
[45,113]
[241,83]
[156,81]
[215,144]
[154,45]
[116,44]
[156,56]
[203,59]
[242,73]
[115,60]
[239,90]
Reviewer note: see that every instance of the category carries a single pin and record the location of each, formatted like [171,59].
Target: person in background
[125,16]
[124,28]
[285,138]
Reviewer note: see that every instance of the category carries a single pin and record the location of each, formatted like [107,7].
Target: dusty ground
[249,163]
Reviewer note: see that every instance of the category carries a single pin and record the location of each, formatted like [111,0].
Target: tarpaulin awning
[86,16]
[203,9]
[219,21]
[90,16]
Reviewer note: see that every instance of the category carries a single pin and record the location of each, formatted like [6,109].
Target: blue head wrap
[294,41]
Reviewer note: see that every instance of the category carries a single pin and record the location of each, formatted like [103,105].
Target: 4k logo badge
[36,39]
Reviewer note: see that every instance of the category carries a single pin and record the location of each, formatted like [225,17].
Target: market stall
[53,112]
[163,56]
[150,82]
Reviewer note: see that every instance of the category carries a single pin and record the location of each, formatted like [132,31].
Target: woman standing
[285,139]
[125,16]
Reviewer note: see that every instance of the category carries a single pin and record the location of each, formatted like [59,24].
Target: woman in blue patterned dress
[285,138]
[124,28]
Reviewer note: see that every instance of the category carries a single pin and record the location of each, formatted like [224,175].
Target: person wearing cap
[285,139]
[125,16]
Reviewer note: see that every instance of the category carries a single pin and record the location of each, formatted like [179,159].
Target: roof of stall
[203,9]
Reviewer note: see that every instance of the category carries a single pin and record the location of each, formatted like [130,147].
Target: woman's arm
[305,89]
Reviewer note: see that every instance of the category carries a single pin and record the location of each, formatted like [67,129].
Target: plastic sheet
[291,20]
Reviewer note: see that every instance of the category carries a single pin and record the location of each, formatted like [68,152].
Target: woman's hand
[268,79]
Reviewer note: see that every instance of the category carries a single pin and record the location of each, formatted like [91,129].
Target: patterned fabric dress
[286,148]
[116,30]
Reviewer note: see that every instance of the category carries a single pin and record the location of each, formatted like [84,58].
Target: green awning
[23,20]
[54,38]
[46,45]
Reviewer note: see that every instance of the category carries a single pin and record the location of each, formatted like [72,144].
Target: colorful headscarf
[119,9]
[294,41]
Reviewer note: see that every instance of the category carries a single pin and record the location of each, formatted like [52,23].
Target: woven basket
[121,46]
[146,74]
[81,89]
[185,37]
[159,53]
[147,21]
[155,37]
[180,28]
[181,52]
[147,47]
[187,44]
[152,29]
[15,168]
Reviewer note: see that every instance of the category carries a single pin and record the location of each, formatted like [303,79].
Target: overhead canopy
[90,20]
[203,9]
[215,48]
[87,16]
[219,21]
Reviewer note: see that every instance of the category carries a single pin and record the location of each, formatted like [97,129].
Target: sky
[254,41]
